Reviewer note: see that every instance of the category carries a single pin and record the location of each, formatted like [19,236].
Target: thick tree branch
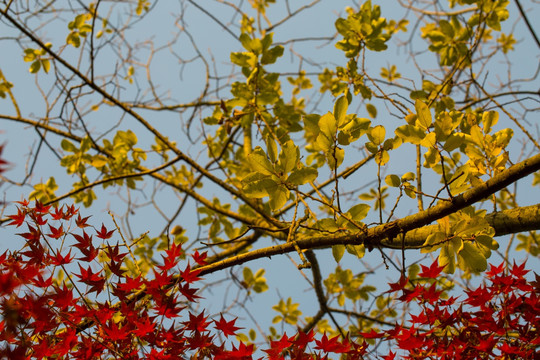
[503,222]
[383,235]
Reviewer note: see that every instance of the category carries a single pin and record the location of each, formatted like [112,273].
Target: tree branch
[383,235]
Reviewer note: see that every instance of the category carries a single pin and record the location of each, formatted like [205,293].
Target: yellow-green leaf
[302,176]
[377,134]
[358,212]
[259,162]
[372,110]
[410,133]
[490,119]
[35,66]
[392,180]
[288,157]
[340,110]
[338,251]
[424,115]
[471,258]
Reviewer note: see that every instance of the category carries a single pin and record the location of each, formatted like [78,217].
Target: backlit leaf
[424,115]
[338,251]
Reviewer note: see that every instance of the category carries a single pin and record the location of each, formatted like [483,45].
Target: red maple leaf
[167,306]
[332,345]
[410,339]
[84,244]
[24,202]
[32,236]
[59,260]
[58,213]
[130,284]
[189,293]
[478,297]
[94,280]
[226,327]
[196,323]
[39,281]
[38,218]
[104,233]
[143,326]
[431,272]
[277,347]
[70,212]
[114,332]
[189,275]
[242,352]
[172,258]
[200,258]
[40,208]
[519,270]
[371,335]
[400,285]
[81,222]
[17,219]
[63,297]
[431,294]
[56,233]
[409,295]
[114,254]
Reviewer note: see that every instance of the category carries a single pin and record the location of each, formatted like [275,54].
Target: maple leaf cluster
[101,311]
[43,317]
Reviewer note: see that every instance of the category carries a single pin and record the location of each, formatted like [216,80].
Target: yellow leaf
[424,115]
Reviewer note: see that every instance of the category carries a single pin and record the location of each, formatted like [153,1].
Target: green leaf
[258,188]
[270,56]
[335,157]
[340,110]
[35,66]
[377,134]
[302,176]
[244,59]
[470,258]
[46,65]
[372,110]
[447,28]
[99,161]
[490,119]
[433,241]
[271,148]
[382,157]
[359,211]
[259,162]
[411,134]
[278,196]
[392,180]
[429,141]
[477,136]
[327,224]
[453,142]
[68,146]
[288,157]
[357,250]
[424,115]
[328,126]
[487,241]
[338,251]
